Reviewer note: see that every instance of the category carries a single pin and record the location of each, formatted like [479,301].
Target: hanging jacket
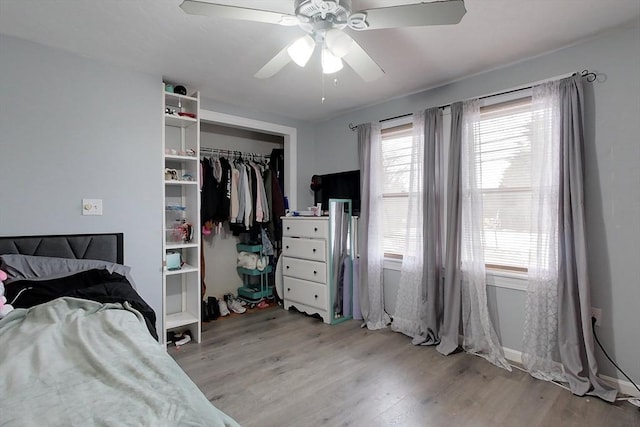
[224,192]
[209,197]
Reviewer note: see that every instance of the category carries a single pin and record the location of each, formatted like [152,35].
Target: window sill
[507,279]
[496,278]
[392,264]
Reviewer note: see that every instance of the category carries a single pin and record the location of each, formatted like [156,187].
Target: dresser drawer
[314,228]
[311,249]
[305,292]
[302,269]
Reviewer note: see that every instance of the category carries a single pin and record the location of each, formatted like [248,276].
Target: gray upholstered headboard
[106,247]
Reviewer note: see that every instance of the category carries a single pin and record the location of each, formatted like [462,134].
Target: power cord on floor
[633,401]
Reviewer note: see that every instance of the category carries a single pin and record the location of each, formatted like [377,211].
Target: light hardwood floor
[279,368]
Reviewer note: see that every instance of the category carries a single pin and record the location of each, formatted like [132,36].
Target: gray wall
[306,140]
[72,128]
[612,178]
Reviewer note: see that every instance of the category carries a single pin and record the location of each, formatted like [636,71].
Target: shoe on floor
[234,305]
[204,312]
[231,297]
[213,308]
[263,304]
[224,310]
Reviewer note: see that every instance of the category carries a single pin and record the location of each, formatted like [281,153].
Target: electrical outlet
[596,313]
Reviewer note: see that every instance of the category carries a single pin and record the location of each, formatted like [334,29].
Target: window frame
[503,274]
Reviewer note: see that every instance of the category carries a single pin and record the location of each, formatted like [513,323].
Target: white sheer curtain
[479,336]
[371,227]
[406,318]
[540,354]
[558,340]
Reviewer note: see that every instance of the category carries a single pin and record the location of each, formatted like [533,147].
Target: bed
[80,349]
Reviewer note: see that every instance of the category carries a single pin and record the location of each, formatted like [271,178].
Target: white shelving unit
[181,194]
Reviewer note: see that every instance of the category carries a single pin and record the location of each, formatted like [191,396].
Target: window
[503,167]
[396,166]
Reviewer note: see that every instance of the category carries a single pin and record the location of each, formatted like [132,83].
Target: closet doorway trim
[289,134]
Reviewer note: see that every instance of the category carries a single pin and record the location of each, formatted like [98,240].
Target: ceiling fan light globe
[300,51]
[330,63]
[338,42]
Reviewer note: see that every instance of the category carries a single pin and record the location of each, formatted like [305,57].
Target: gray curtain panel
[575,335]
[432,304]
[370,229]
[364,151]
[450,328]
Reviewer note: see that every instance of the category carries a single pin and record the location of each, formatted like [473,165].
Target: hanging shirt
[258,195]
[209,194]
[235,201]
[224,191]
[247,198]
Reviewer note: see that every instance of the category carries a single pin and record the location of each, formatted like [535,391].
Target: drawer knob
[315,296]
[287,267]
[288,228]
[315,272]
[315,228]
[314,250]
[288,289]
[287,247]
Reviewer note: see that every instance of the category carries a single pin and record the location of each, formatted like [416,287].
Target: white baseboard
[624,387]
[512,355]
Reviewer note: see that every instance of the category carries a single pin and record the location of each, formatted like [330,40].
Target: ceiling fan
[324,22]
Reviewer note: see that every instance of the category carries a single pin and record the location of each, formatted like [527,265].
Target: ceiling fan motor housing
[322,15]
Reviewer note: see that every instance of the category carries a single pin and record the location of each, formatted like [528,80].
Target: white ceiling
[219,57]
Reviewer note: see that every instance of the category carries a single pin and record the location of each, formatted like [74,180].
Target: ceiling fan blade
[194,7]
[276,64]
[415,15]
[362,63]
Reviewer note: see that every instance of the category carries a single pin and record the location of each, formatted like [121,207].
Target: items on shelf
[178,89]
[173,152]
[178,338]
[174,261]
[181,281]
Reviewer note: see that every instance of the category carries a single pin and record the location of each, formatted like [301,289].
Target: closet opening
[252,166]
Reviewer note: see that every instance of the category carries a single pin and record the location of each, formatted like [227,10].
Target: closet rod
[591,77]
[204,150]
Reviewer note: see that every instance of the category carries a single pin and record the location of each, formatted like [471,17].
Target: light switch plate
[91,206]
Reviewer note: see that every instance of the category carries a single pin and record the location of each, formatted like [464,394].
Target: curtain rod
[231,152]
[591,77]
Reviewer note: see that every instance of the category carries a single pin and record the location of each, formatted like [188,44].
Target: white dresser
[309,275]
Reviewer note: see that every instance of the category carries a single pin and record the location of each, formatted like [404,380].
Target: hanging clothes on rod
[234,190]
[233,153]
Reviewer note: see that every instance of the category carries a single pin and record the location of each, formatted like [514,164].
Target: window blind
[503,169]
[396,164]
